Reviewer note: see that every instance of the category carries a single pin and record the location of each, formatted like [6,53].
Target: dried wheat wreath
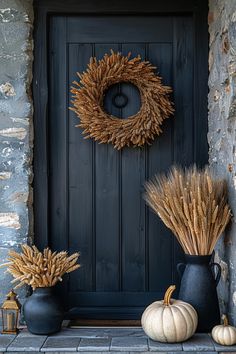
[89,93]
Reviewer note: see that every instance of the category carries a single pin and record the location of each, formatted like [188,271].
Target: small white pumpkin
[169,320]
[224,334]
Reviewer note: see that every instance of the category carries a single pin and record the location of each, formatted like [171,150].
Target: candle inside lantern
[10,321]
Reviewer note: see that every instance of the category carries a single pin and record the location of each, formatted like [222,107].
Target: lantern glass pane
[10,318]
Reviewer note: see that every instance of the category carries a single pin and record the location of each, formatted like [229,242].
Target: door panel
[128,256]
[119,29]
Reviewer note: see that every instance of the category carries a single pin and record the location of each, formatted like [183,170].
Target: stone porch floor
[105,340]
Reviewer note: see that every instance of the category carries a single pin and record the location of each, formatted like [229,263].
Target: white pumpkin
[169,320]
[224,334]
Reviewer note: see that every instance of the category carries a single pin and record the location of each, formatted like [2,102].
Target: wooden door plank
[107,205]
[58,132]
[81,188]
[160,245]
[133,206]
[183,72]
[183,90]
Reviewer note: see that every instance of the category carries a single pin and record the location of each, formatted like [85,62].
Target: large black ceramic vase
[198,287]
[43,312]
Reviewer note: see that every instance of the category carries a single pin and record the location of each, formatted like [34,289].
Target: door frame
[45,8]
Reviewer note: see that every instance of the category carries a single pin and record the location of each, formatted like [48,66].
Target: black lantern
[10,314]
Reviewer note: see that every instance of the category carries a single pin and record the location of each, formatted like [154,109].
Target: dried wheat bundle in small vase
[40,269]
[193,205]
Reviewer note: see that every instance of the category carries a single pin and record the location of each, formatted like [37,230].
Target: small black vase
[198,287]
[43,312]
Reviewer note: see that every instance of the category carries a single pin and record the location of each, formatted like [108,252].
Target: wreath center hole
[122,100]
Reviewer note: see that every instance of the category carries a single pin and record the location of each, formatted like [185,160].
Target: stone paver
[94,344]
[81,332]
[65,344]
[199,342]
[101,332]
[199,352]
[22,352]
[93,352]
[129,344]
[224,348]
[55,352]
[31,343]
[164,347]
[5,341]
[25,333]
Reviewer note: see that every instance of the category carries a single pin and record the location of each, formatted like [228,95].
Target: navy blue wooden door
[128,256]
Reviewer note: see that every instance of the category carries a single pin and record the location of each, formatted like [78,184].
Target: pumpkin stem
[168,294]
[225,320]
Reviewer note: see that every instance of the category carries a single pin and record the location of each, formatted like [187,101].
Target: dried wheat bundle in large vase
[40,269]
[88,96]
[193,204]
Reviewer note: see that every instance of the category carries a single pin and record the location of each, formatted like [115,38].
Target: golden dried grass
[40,269]
[88,97]
[193,204]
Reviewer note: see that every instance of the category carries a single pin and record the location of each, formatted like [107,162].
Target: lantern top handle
[11,295]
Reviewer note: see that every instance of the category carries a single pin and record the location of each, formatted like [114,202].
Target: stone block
[129,344]
[82,333]
[124,332]
[98,352]
[199,342]
[16,44]
[199,352]
[225,348]
[62,344]
[22,352]
[14,69]
[139,352]
[27,344]
[5,341]
[102,332]
[16,11]
[56,352]
[181,352]
[25,333]
[164,347]
[94,344]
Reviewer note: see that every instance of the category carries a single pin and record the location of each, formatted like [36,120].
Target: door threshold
[78,323]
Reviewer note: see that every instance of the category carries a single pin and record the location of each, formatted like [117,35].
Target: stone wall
[222,131]
[16,19]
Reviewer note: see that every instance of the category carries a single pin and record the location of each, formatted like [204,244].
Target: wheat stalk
[193,204]
[39,269]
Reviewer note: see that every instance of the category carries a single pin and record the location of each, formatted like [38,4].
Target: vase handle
[218,275]
[180,269]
